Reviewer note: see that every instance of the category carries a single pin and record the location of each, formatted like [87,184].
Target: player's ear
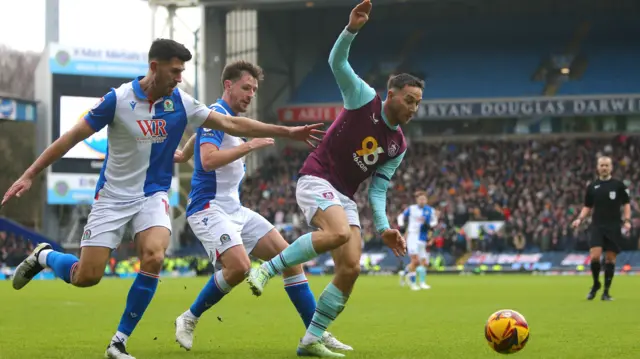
[227,84]
[390,94]
[153,66]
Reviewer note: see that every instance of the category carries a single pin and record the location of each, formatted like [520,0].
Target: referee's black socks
[595,271]
[609,271]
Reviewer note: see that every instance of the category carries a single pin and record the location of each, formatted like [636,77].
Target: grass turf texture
[48,319]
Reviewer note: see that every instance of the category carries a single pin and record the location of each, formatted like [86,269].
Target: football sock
[298,252]
[595,270]
[609,271]
[62,264]
[138,299]
[213,291]
[412,277]
[330,304]
[120,337]
[297,288]
[422,274]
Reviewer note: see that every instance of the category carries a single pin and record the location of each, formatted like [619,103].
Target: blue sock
[140,295]
[297,288]
[412,277]
[330,304]
[213,291]
[62,264]
[422,274]
[298,252]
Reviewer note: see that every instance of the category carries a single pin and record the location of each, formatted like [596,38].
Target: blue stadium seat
[482,57]
[612,57]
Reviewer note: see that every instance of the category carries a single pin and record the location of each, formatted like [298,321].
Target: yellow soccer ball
[506,331]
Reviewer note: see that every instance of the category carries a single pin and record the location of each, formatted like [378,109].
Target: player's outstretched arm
[378,200]
[246,127]
[184,155]
[53,153]
[355,92]
[212,158]
[101,115]
[200,115]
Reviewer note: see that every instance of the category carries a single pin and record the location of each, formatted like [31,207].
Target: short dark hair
[234,70]
[166,49]
[398,82]
[419,193]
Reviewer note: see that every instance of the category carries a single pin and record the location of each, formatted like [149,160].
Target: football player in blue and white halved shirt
[419,219]
[146,119]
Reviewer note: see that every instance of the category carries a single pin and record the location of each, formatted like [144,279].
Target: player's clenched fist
[359,16]
[393,239]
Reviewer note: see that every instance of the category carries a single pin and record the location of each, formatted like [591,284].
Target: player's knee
[87,277]
[152,260]
[610,258]
[341,235]
[236,271]
[292,271]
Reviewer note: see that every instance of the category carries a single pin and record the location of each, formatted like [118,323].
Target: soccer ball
[506,331]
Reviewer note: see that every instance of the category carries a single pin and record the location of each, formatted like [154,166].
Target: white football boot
[185,325]
[117,350]
[331,342]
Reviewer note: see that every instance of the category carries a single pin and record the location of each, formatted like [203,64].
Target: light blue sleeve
[378,192]
[355,92]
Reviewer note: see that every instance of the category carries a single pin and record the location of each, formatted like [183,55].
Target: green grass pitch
[48,319]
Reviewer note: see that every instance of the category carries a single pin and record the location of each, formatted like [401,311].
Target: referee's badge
[612,194]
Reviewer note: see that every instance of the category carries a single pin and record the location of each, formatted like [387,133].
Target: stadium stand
[476,58]
[536,187]
[609,57]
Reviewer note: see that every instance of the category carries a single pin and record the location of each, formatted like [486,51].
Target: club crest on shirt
[328,196]
[612,195]
[393,149]
[168,105]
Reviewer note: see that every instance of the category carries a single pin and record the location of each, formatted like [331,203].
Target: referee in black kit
[604,197]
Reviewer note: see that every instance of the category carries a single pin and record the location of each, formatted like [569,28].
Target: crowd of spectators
[13,249]
[536,187]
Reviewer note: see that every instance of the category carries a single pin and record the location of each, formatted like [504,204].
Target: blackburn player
[365,141]
[146,119]
[420,218]
[228,231]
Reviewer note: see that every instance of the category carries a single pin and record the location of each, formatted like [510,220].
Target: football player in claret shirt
[365,141]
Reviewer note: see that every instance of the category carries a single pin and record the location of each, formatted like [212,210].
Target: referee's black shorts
[608,237]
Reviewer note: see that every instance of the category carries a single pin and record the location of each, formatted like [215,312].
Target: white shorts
[109,217]
[417,247]
[313,193]
[219,231]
